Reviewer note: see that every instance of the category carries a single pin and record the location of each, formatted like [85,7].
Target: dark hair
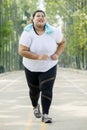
[37,12]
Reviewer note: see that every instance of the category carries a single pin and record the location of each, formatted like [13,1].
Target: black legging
[41,81]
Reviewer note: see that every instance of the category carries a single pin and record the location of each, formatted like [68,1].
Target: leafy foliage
[74,16]
[7,29]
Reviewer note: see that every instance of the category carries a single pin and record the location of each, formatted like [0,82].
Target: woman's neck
[39,30]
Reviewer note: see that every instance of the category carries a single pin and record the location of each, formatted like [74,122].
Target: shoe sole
[49,121]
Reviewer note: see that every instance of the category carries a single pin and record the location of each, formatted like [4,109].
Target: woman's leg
[46,85]
[33,84]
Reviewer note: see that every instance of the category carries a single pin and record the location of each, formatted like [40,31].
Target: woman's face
[39,19]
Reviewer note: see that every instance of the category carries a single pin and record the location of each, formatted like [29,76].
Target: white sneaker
[37,112]
[46,119]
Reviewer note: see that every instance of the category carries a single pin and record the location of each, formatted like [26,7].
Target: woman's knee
[47,94]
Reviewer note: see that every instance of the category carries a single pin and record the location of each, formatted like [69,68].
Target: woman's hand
[54,56]
[43,57]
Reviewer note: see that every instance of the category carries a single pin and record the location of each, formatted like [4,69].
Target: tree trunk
[86,61]
[78,62]
[83,65]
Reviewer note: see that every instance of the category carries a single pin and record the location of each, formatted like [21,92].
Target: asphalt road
[68,110]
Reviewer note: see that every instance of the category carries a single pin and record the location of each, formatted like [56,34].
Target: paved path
[68,110]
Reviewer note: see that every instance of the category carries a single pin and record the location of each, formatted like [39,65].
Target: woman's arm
[59,50]
[25,52]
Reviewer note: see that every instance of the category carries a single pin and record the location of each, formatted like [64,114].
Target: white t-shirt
[40,44]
